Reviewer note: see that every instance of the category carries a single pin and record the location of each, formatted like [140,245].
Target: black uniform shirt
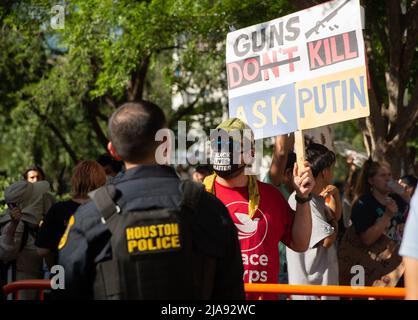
[55,223]
[146,186]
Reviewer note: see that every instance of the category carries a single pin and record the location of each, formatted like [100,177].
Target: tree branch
[101,116]
[409,118]
[392,77]
[414,98]
[376,26]
[372,73]
[111,101]
[374,125]
[92,113]
[410,15]
[407,55]
[136,85]
[57,133]
[303,4]
[393,14]
[168,48]
[410,44]
[7,8]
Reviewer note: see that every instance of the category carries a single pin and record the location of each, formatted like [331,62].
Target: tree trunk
[135,88]
[92,110]
[392,121]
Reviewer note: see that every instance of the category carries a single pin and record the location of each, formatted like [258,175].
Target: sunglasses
[228,145]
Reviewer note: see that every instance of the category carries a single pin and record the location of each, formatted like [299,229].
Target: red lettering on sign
[315,59]
[328,51]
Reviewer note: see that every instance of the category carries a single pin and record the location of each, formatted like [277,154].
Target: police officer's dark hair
[319,157]
[34,168]
[132,129]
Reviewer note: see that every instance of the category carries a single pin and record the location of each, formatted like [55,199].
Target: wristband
[303,200]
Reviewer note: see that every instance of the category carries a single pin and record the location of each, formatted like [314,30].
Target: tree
[393,56]
[58,87]
[69,81]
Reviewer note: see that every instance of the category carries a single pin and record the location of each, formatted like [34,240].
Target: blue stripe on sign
[268,113]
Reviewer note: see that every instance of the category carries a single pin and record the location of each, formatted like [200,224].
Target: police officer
[149,235]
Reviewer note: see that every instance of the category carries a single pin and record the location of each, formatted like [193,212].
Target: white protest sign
[300,71]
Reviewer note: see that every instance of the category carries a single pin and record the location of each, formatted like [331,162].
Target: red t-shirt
[259,237]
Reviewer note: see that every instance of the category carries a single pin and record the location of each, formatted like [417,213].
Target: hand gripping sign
[301,71]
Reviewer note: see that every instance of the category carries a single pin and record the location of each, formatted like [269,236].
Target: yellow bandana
[254,195]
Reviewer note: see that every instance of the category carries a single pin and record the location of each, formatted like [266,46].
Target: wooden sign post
[300,148]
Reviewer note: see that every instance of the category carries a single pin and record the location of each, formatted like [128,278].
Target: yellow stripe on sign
[333,98]
[64,237]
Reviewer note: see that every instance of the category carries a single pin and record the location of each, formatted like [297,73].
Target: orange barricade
[37,284]
[284,289]
[315,290]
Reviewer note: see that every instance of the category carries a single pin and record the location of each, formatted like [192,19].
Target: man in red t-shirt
[262,216]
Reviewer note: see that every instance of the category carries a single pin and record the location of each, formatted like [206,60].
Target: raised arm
[304,182]
[282,145]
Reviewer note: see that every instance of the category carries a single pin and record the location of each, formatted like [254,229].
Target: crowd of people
[134,229]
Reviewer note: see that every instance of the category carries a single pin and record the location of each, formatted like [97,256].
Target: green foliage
[58,87]
[4,183]
[348,131]
[52,79]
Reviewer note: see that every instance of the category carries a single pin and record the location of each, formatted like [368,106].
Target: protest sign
[300,71]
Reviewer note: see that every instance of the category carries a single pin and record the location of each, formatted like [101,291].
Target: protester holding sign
[319,264]
[260,213]
[297,72]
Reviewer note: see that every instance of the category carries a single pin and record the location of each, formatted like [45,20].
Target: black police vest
[152,251]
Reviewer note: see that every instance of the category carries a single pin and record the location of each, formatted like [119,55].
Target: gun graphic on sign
[322,22]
